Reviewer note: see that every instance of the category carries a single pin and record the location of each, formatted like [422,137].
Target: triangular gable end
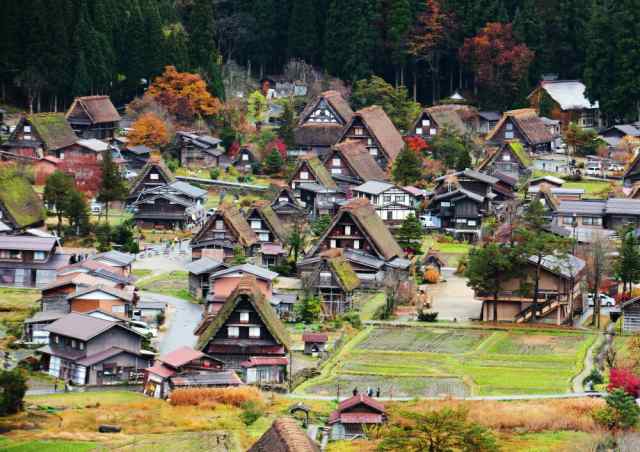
[322,113]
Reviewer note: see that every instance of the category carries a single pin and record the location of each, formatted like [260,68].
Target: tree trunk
[495,306]
[415,85]
[106,212]
[402,75]
[534,305]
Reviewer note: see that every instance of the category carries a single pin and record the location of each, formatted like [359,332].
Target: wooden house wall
[631,318]
[374,147]
[342,240]
[340,165]
[500,137]
[296,179]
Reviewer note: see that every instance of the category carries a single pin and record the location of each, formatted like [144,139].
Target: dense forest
[52,50]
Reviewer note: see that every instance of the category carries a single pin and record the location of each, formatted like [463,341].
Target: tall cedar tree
[56,194]
[407,169]
[410,233]
[303,32]
[400,19]
[626,267]
[287,125]
[203,51]
[112,185]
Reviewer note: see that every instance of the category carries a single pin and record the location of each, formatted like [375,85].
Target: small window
[56,339]
[27,136]
[233,331]
[264,236]
[219,224]
[27,129]
[509,126]
[39,256]
[73,343]
[432,131]
[336,162]
[244,317]
[81,344]
[386,198]
[356,244]
[426,123]
[325,275]
[358,131]
[256,224]
[336,170]
[332,243]
[418,130]
[508,135]
[154,176]
[567,220]
[373,151]
[347,230]
[506,157]
[118,309]
[254,331]
[369,142]
[245,157]
[399,198]
[304,175]
[472,222]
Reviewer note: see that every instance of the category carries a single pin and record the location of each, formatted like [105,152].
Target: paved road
[182,319]
[453,299]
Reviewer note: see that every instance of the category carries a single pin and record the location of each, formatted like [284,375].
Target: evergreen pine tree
[410,233]
[203,53]
[287,125]
[273,163]
[112,185]
[407,168]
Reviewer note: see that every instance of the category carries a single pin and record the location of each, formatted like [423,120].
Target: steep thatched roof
[380,126]
[98,109]
[247,289]
[284,435]
[19,200]
[343,271]
[358,158]
[235,221]
[515,148]
[529,124]
[317,169]
[155,161]
[53,129]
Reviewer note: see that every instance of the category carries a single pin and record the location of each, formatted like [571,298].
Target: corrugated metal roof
[202,265]
[23,242]
[582,207]
[373,187]
[188,189]
[248,268]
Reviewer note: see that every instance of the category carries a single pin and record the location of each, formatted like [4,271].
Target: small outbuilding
[314,343]
[631,315]
[354,415]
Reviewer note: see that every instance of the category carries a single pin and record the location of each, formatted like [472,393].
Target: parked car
[129,174]
[96,207]
[594,171]
[605,300]
[142,328]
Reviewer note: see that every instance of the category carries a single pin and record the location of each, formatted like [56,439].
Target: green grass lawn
[83,399]
[45,446]
[17,304]
[594,189]
[175,284]
[141,272]
[424,361]
[371,305]
[430,241]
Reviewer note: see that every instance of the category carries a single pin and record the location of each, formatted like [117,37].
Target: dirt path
[589,359]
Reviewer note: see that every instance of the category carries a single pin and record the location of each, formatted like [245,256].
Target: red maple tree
[416,143]
[498,62]
[624,379]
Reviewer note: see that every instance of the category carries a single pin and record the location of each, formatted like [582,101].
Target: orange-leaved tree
[150,130]
[184,95]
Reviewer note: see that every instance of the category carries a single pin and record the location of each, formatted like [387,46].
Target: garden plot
[435,340]
[427,361]
[393,386]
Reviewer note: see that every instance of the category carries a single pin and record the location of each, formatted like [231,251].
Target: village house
[248,157]
[314,187]
[525,126]
[510,159]
[136,157]
[93,117]
[272,234]
[365,241]
[354,415]
[177,205]
[154,174]
[487,120]
[40,135]
[561,193]
[226,229]
[247,336]
[611,214]
[201,151]
[117,260]
[553,163]
[87,350]
[288,209]
[116,302]
[616,135]
[285,435]
[88,149]
[350,164]
[321,123]
[186,368]
[456,118]
[314,343]
[20,206]
[333,280]
[565,101]
[392,203]
[27,261]
[558,293]
[462,200]
[199,273]
[551,181]
[632,173]
[225,280]
[372,126]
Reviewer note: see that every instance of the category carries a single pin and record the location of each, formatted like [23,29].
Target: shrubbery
[13,387]
[427,316]
[228,396]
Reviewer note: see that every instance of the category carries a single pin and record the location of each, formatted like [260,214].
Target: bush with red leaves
[624,379]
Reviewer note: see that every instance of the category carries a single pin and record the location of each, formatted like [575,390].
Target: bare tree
[597,259]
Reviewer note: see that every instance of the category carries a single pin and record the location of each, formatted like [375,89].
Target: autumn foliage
[498,61]
[86,172]
[624,379]
[184,95]
[150,130]
[431,275]
[416,143]
[207,396]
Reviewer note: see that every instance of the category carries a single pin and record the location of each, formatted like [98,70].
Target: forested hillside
[52,50]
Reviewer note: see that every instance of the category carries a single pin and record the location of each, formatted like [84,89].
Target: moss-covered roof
[521,154]
[319,171]
[53,129]
[19,200]
[346,276]
[373,226]
[274,222]
[246,290]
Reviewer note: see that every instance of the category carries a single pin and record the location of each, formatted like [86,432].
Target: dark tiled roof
[101,356]
[117,257]
[83,327]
